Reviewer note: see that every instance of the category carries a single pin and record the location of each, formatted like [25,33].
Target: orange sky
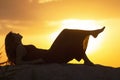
[36,20]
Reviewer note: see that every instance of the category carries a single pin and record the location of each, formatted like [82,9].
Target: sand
[59,72]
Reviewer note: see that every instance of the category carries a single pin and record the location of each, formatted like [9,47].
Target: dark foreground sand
[59,72]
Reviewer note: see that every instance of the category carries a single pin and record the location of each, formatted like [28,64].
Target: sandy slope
[59,72]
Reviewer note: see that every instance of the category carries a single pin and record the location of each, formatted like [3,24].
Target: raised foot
[96,32]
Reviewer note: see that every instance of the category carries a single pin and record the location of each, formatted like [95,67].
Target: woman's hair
[10,47]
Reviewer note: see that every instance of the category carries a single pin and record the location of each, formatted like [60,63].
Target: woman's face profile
[17,36]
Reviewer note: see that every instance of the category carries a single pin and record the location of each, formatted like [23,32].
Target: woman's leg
[68,40]
[95,33]
[87,61]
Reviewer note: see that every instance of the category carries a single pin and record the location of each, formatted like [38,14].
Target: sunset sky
[40,21]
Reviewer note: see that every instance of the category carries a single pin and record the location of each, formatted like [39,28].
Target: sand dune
[59,72]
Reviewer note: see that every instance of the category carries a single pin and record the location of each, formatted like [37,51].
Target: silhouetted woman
[70,44]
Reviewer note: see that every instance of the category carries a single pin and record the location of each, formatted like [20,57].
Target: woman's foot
[89,63]
[96,32]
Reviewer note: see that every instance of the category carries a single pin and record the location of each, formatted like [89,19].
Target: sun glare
[80,24]
[94,43]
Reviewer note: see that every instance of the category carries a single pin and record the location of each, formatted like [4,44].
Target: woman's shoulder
[20,47]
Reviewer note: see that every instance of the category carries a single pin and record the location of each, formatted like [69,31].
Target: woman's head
[12,40]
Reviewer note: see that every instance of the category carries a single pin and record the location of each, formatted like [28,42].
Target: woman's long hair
[10,47]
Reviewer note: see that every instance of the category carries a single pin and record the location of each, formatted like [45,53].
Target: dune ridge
[59,72]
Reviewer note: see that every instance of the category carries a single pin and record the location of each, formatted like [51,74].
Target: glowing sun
[94,43]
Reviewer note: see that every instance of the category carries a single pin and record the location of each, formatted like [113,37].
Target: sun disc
[80,24]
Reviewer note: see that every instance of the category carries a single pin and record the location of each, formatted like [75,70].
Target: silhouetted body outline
[70,44]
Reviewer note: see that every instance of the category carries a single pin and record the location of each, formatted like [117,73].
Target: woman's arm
[21,52]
